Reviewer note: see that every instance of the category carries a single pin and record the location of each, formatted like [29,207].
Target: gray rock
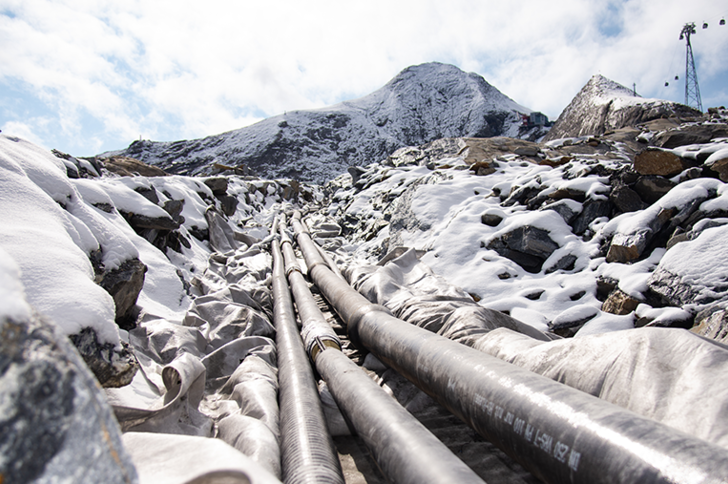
[113,367]
[651,188]
[140,222]
[148,193]
[691,134]
[218,185]
[566,263]
[124,284]
[626,199]
[630,246]
[491,219]
[570,193]
[592,210]
[521,195]
[564,209]
[356,171]
[56,424]
[527,246]
[575,316]
[229,204]
[720,166]
[174,209]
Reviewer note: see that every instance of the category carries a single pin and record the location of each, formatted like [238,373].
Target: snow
[46,245]
[127,200]
[12,296]
[702,262]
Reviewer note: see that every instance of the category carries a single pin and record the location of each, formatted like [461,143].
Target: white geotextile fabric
[174,459]
[414,293]
[214,375]
[670,375]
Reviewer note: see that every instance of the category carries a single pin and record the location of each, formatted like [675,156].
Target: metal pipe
[558,433]
[406,452]
[308,454]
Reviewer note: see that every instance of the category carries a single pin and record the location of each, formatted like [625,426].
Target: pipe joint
[317,263]
[319,343]
[292,267]
[352,323]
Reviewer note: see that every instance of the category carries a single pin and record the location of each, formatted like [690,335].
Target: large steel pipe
[307,451]
[558,433]
[406,452]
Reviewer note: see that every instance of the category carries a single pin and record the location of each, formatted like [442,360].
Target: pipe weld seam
[352,325]
[319,344]
[291,268]
[316,264]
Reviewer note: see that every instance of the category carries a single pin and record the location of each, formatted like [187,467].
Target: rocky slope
[603,105]
[571,236]
[421,104]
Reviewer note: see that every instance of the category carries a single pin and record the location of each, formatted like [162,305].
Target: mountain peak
[420,104]
[603,105]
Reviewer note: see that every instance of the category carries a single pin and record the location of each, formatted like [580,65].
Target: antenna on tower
[692,90]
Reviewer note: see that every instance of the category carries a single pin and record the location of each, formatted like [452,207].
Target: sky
[88,76]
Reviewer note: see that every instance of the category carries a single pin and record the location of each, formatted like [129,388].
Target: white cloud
[182,68]
[23,130]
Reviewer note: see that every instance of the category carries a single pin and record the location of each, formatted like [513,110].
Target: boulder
[527,246]
[291,190]
[228,204]
[174,209]
[357,171]
[715,326]
[566,263]
[140,222]
[691,134]
[626,199]
[694,272]
[718,162]
[126,166]
[56,424]
[568,322]
[124,283]
[652,161]
[592,210]
[521,195]
[651,188]
[619,303]
[491,219]
[628,247]
[568,209]
[482,168]
[218,185]
[112,366]
[150,193]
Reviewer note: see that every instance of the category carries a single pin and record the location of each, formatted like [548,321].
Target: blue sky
[86,76]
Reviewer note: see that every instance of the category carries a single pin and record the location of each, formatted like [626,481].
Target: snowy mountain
[603,105]
[421,104]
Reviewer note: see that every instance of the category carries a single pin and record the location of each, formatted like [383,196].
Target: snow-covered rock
[421,104]
[56,423]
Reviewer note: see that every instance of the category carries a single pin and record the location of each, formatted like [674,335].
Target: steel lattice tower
[692,90]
